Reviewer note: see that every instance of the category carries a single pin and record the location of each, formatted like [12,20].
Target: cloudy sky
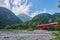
[30,7]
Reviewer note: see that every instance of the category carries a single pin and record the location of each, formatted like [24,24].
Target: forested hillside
[43,18]
[7,17]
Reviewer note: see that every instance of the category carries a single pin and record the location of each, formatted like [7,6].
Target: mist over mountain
[24,17]
[7,17]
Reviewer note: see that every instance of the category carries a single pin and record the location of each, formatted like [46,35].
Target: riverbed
[26,35]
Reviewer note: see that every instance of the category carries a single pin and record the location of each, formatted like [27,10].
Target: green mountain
[24,17]
[7,17]
[56,15]
[43,18]
[39,19]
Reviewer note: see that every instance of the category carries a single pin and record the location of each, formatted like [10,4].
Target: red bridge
[43,26]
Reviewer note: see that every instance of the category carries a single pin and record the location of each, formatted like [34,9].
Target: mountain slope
[7,17]
[56,15]
[24,17]
[43,18]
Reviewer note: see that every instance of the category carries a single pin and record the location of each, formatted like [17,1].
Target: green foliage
[58,5]
[57,19]
[21,27]
[58,37]
[58,24]
[37,20]
[50,28]
[58,29]
[56,15]
[43,18]
[7,17]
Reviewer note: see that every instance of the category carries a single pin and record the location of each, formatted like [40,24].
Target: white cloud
[34,14]
[19,6]
[40,12]
[22,9]
[45,11]
[7,4]
[17,2]
[4,3]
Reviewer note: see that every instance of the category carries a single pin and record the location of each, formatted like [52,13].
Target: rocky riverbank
[26,35]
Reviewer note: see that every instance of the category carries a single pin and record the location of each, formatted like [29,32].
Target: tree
[58,24]
[58,5]
[58,29]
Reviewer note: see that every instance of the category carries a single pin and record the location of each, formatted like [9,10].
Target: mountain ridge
[7,17]
[24,17]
